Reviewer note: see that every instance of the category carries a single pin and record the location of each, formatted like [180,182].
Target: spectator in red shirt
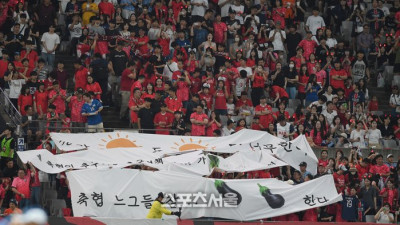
[163,120]
[127,78]
[380,168]
[80,75]
[94,87]
[258,83]
[338,76]
[135,104]
[277,94]
[21,186]
[264,112]
[24,99]
[30,54]
[308,45]
[106,8]
[57,97]
[220,30]
[221,95]
[40,100]
[199,121]
[173,102]
[138,84]
[75,104]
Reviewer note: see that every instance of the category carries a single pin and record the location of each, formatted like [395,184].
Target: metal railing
[9,109]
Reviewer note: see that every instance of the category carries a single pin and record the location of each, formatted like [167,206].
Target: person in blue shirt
[350,206]
[91,109]
[303,170]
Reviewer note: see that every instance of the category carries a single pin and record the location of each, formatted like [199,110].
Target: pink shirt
[22,186]
[321,75]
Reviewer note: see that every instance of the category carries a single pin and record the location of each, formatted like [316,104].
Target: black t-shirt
[14,46]
[10,172]
[119,60]
[33,86]
[33,125]
[290,75]
[231,35]
[280,79]
[146,118]
[100,69]
[292,40]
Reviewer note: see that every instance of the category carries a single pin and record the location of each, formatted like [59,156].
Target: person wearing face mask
[291,80]
[384,215]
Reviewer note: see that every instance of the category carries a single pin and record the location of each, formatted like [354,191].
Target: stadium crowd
[211,68]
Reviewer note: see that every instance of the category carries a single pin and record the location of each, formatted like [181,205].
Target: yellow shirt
[157,210]
[87,14]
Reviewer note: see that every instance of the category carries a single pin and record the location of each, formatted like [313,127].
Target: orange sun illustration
[193,145]
[118,142]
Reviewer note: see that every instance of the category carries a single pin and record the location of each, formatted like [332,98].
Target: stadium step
[110,114]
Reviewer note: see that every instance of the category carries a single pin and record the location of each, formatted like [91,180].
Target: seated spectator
[13,208]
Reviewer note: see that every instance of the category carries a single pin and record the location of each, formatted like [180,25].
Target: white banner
[293,152]
[127,193]
[195,162]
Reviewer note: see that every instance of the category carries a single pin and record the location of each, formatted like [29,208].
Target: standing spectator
[106,8]
[128,8]
[81,74]
[146,117]
[57,97]
[308,45]
[46,16]
[338,75]
[75,31]
[285,130]
[76,103]
[93,86]
[50,42]
[258,84]
[357,136]
[163,120]
[14,40]
[117,64]
[21,186]
[220,30]
[99,71]
[315,22]
[278,37]
[365,40]
[199,8]
[375,17]
[127,79]
[61,75]
[89,9]
[7,145]
[91,109]
[264,112]
[135,104]
[359,68]
[199,121]
[394,101]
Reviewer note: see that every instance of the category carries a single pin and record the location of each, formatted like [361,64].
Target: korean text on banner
[130,193]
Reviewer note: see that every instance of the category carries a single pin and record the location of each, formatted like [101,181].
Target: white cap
[35,216]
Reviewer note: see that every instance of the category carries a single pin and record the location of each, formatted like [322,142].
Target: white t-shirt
[225,8]
[277,42]
[50,40]
[281,131]
[358,134]
[329,116]
[384,218]
[15,87]
[199,10]
[239,11]
[374,136]
[169,69]
[247,69]
[254,23]
[315,22]
[331,42]
[76,31]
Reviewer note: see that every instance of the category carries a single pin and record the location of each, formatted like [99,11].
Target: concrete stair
[110,114]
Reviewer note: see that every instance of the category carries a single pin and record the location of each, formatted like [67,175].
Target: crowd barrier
[116,221]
